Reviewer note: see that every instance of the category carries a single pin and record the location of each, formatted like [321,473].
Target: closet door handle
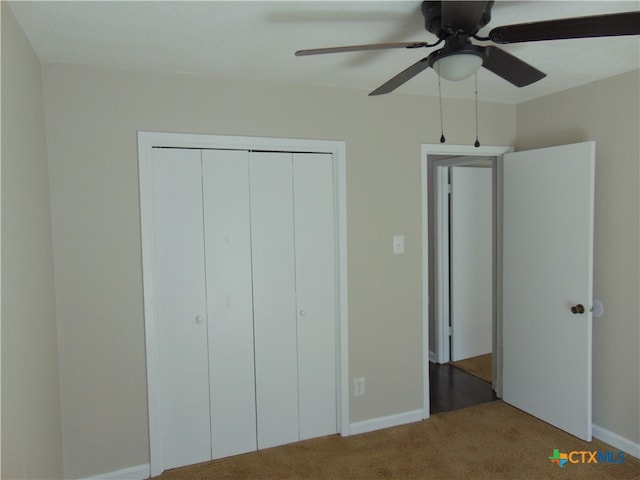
[199,319]
[303,313]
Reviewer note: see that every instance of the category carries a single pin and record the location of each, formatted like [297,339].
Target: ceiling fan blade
[401,78]
[358,48]
[465,16]
[579,27]
[511,68]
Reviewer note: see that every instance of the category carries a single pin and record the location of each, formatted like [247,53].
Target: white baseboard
[139,472]
[616,440]
[432,357]
[387,422]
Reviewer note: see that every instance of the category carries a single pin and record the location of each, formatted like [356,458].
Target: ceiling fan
[456,22]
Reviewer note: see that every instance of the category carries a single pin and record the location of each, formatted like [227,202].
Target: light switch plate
[358,386]
[398,244]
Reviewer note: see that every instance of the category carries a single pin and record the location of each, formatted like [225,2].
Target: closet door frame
[149,140]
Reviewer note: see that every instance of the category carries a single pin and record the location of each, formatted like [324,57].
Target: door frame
[149,140]
[431,176]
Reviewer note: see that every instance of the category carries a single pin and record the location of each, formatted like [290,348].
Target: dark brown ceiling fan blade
[511,68]
[463,16]
[579,27]
[401,78]
[358,48]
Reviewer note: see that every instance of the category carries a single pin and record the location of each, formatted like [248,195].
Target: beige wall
[92,116]
[608,112]
[31,435]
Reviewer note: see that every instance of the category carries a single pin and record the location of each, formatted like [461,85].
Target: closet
[244,300]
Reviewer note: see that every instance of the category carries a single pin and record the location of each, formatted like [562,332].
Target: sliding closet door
[274,303]
[315,259]
[180,306]
[229,299]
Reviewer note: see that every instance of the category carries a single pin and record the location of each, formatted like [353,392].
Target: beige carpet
[480,366]
[489,441]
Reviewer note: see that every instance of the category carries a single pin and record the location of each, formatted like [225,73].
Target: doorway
[437,160]
[539,287]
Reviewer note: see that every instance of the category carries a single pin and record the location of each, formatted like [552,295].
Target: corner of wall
[31,423]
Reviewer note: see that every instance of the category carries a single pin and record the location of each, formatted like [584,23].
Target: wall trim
[387,422]
[139,472]
[616,440]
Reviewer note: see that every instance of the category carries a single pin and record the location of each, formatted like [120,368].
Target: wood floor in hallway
[451,388]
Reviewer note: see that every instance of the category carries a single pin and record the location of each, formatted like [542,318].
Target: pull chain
[477,143]
[442,139]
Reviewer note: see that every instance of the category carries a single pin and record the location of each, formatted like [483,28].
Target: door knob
[199,319]
[578,309]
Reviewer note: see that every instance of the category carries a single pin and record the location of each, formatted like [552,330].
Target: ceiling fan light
[457,66]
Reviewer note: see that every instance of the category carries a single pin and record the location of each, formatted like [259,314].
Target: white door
[294,289]
[315,244]
[471,253]
[225,181]
[274,301]
[547,272]
[244,282]
[205,215]
[180,306]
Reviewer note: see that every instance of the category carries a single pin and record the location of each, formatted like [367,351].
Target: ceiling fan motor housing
[432,12]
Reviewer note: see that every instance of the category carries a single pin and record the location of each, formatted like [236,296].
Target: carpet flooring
[489,441]
[480,366]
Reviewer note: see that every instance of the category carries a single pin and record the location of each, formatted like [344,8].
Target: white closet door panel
[315,245]
[229,301]
[180,306]
[274,298]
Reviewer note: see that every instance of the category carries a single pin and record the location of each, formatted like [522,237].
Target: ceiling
[257,40]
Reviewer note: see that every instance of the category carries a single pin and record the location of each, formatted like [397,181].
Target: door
[471,254]
[294,275]
[245,297]
[225,185]
[316,270]
[180,306]
[198,242]
[547,276]
[274,300]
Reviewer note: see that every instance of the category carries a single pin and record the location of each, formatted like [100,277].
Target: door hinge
[449,189]
[450,330]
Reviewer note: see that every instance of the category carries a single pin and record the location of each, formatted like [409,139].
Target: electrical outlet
[358,386]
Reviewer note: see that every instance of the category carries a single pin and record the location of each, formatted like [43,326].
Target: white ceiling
[257,40]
